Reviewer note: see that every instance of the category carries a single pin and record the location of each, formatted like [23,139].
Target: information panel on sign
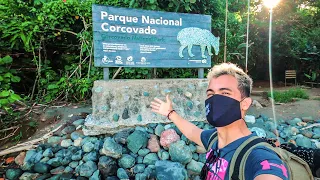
[139,38]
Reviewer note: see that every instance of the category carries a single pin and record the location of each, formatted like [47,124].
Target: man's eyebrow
[210,90]
[223,89]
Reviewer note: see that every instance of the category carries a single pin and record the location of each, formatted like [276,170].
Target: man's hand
[161,107]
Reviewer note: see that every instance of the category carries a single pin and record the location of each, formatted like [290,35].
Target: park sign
[138,38]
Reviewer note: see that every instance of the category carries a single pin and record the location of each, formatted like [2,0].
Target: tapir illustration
[196,36]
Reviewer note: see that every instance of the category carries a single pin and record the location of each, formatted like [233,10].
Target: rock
[45,160]
[250,119]
[150,159]
[139,160]
[78,122]
[44,177]
[55,177]
[92,156]
[302,124]
[68,130]
[73,164]
[41,168]
[294,131]
[307,133]
[193,148]
[87,169]
[316,143]
[66,143]
[29,176]
[77,156]
[31,158]
[75,135]
[122,174]
[126,161]
[77,142]
[304,141]
[202,158]
[55,162]
[143,152]
[294,121]
[316,132]
[139,168]
[260,132]
[48,153]
[116,117]
[54,140]
[95,176]
[137,140]
[169,136]
[195,166]
[58,170]
[68,169]
[179,152]
[168,126]
[139,128]
[188,94]
[307,119]
[20,158]
[111,148]
[88,147]
[195,156]
[66,176]
[146,94]
[107,166]
[166,170]
[189,105]
[200,150]
[256,104]
[159,129]
[150,130]
[125,114]
[153,144]
[271,135]
[270,126]
[139,118]
[13,174]
[140,176]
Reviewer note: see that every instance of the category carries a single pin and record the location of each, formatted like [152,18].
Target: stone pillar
[120,104]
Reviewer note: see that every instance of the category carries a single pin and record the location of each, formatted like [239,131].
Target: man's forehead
[223,82]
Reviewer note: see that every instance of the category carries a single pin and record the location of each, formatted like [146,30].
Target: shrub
[289,95]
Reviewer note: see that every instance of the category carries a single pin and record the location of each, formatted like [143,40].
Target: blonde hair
[244,81]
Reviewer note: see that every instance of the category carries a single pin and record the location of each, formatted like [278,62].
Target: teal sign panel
[138,38]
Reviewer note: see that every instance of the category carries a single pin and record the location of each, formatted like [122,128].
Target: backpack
[298,169]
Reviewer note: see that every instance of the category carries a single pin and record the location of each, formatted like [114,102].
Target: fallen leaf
[9,160]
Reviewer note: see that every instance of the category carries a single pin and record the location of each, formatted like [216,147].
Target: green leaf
[7,60]
[4,102]
[15,97]
[52,86]
[7,75]
[15,79]
[170,4]
[193,1]
[1,78]
[151,1]
[4,93]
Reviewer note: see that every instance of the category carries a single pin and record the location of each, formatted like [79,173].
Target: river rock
[166,170]
[126,161]
[87,169]
[58,170]
[121,137]
[41,168]
[304,141]
[68,130]
[139,168]
[150,159]
[307,119]
[122,174]
[66,143]
[107,166]
[137,140]
[294,121]
[111,148]
[195,166]
[143,152]
[250,119]
[159,129]
[180,152]
[13,174]
[260,132]
[169,136]
[153,143]
[316,133]
[95,176]
[20,158]
[29,176]
[91,156]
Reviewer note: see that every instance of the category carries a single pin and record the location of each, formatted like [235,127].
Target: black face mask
[222,110]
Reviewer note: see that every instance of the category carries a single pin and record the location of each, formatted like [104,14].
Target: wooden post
[106,74]
[154,73]
[200,73]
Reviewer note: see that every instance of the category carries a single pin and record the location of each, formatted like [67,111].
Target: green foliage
[289,95]
[33,124]
[7,76]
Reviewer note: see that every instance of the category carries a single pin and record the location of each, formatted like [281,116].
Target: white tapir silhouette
[196,36]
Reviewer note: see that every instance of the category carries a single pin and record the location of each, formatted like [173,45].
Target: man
[228,99]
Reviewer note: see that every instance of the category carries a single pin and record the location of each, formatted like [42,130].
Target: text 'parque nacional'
[132,19]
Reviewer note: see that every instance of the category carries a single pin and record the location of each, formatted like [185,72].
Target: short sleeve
[265,161]
[205,136]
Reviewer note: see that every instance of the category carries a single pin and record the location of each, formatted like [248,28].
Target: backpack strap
[213,138]
[236,169]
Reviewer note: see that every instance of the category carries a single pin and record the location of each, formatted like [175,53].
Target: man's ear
[246,103]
